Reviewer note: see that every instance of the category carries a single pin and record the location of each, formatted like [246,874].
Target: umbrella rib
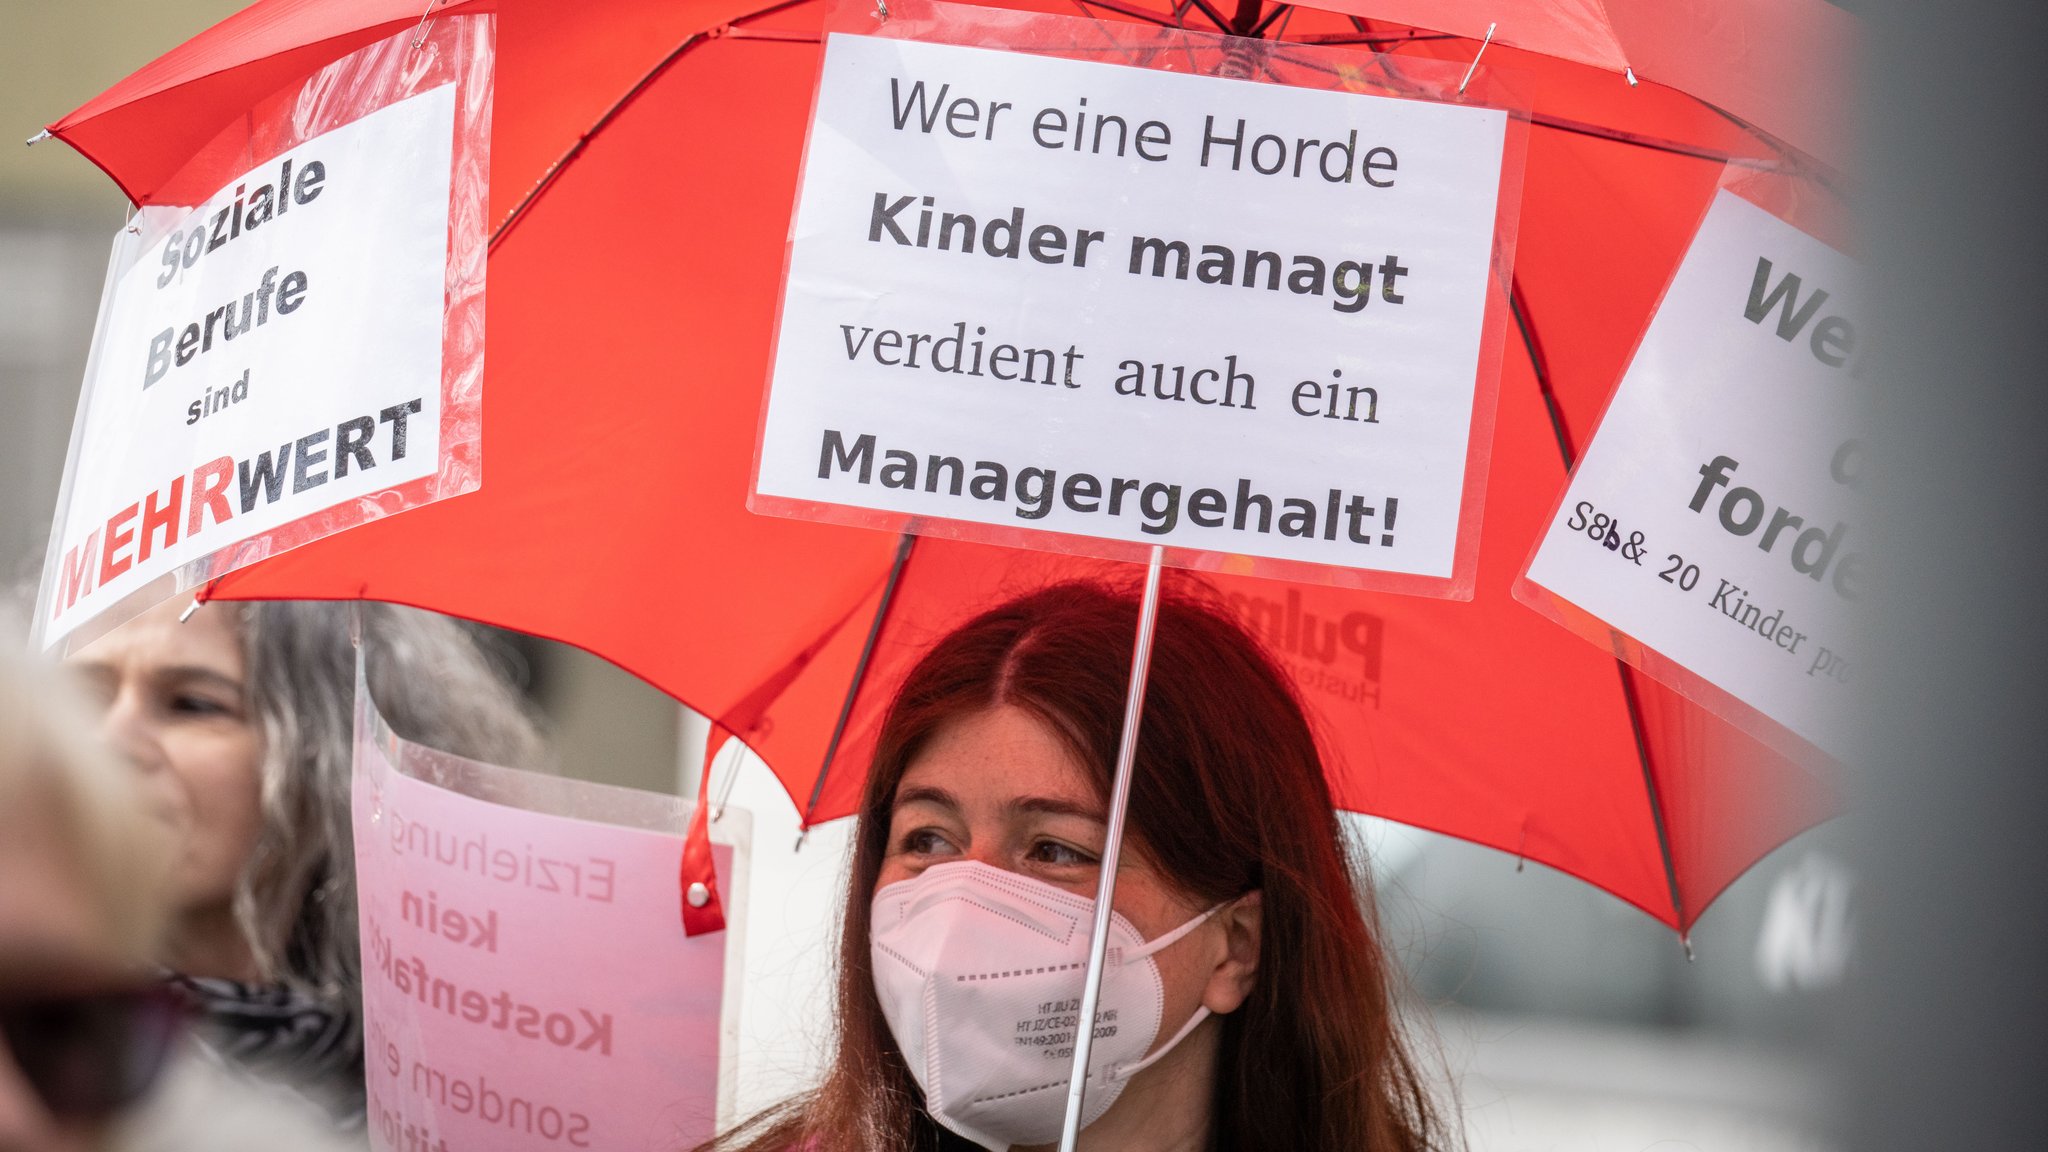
[1635,723]
[738,33]
[611,113]
[1541,367]
[1130,10]
[554,170]
[1658,144]
[1342,39]
[1814,169]
[1518,307]
[1217,18]
[860,670]
[1109,39]
[1617,135]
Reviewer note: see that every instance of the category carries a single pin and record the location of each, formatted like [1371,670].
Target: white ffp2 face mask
[979,972]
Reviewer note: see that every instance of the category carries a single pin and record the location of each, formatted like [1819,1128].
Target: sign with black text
[1712,520]
[1029,294]
[279,361]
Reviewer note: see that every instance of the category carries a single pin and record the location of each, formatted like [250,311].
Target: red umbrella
[643,163]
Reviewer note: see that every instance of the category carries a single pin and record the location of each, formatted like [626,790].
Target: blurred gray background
[1568,1020]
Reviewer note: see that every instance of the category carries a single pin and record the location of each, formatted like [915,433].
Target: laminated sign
[1711,531]
[527,986]
[290,341]
[1077,304]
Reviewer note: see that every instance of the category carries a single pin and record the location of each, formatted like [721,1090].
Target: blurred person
[240,722]
[92,1051]
[84,1027]
[1246,1002]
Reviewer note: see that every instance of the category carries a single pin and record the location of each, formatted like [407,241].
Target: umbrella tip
[38,138]
[1685,938]
[1629,74]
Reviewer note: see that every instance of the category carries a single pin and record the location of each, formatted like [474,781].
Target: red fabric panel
[558,70]
[1786,66]
[141,145]
[628,341]
[262,30]
[1604,225]
[791,724]
[1728,800]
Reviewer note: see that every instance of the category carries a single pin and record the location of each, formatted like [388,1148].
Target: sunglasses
[90,1054]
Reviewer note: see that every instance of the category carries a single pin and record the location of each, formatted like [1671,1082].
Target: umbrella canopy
[1780,67]
[643,164]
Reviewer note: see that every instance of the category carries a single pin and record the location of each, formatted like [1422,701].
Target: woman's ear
[1231,981]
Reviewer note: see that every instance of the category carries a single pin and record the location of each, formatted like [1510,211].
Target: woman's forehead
[998,759]
[210,640]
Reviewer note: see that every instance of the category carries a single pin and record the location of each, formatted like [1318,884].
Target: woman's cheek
[224,806]
[165,797]
[894,868]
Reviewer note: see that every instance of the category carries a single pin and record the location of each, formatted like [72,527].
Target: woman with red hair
[1246,1002]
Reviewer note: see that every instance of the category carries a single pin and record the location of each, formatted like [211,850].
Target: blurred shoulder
[200,1106]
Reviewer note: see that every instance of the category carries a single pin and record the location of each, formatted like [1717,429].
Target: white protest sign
[273,354]
[527,983]
[1713,517]
[1037,293]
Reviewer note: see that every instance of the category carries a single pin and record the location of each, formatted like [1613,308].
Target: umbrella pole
[1112,848]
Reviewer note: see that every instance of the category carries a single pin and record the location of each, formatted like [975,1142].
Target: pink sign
[527,984]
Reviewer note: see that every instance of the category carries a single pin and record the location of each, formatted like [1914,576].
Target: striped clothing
[281,1035]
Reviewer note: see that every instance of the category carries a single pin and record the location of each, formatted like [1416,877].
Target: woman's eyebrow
[1055,806]
[187,674]
[92,670]
[926,793]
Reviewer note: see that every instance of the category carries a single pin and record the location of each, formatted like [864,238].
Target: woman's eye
[926,842]
[1062,855]
[199,706]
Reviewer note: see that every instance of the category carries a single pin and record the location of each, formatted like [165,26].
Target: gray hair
[435,682]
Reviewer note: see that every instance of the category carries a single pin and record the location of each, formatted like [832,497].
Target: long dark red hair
[1227,796]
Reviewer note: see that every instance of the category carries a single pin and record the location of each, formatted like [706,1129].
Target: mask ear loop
[1126,1071]
[1161,943]
[1201,1012]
